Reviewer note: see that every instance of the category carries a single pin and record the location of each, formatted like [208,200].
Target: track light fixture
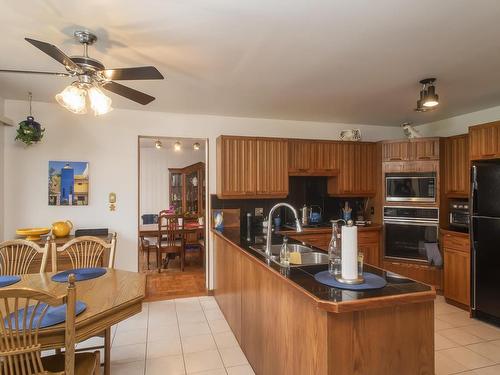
[158,144]
[428,98]
[177,146]
[196,146]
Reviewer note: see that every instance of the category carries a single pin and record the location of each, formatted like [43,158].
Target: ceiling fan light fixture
[73,98]
[99,102]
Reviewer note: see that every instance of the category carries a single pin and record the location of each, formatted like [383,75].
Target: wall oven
[411,233]
[410,187]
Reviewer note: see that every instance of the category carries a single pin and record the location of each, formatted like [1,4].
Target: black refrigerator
[485,240]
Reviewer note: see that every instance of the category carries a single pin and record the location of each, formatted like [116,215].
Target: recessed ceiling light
[177,146]
[196,146]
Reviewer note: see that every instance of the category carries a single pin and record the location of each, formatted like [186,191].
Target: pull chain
[30,96]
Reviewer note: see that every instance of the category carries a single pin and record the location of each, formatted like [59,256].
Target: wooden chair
[83,252]
[17,256]
[170,238]
[20,351]
[147,247]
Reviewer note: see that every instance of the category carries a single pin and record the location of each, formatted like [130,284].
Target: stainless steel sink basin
[275,249]
[307,255]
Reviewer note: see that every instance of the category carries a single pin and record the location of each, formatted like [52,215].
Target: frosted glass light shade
[73,99]
[99,102]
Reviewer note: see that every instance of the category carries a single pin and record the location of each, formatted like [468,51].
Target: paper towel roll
[349,252]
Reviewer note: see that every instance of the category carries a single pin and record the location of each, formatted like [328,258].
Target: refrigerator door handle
[473,189]
[471,230]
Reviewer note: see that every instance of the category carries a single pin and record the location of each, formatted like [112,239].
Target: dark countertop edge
[346,306]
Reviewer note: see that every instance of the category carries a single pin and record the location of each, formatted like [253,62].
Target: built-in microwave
[410,187]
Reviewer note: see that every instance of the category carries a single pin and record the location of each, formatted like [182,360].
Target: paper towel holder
[359,280]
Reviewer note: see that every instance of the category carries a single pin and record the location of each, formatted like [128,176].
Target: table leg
[107,352]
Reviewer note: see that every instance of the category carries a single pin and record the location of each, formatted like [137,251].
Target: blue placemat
[53,316]
[80,274]
[9,280]
[372,281]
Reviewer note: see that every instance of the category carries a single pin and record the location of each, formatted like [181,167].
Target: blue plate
[54,315]
[80,274]
[9,280]
[372,281]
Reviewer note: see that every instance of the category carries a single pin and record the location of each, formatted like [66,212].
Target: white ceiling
[355,61]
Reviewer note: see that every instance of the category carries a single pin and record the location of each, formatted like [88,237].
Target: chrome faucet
[298,227]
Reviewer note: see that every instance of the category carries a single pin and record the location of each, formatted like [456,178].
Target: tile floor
[191,336]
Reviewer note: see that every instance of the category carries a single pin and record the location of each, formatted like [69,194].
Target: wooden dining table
[110,299]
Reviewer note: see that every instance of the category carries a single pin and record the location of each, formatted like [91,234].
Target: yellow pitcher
[62,228]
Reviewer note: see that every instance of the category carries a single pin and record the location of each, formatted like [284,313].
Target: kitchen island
[288,323]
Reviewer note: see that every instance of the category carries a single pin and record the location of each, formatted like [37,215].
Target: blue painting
[68,183]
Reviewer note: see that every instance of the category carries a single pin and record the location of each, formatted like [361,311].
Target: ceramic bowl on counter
[32,234]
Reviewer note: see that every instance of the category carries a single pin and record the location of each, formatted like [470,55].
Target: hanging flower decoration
[29,130]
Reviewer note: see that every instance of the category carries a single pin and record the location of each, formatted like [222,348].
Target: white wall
[110,145]
[459,124]
[2,159]
[154,174]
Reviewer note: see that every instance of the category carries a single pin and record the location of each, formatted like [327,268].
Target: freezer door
[486,266]
[485,176]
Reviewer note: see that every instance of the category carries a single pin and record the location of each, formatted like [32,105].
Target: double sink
[308,256]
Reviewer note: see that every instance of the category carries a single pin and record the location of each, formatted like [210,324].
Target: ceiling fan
[91,77]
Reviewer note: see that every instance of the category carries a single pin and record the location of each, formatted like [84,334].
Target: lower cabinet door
[457,276]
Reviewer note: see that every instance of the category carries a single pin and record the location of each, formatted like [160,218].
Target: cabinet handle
[395,159]
[424,158]
[493,154]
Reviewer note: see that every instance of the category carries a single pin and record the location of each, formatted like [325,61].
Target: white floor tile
[92,342]
[163,348]
[131,368]
[139,321]
[492,370]
[162,333]
[218,326]
[220,371]
[460,336]
[240,370]
[188,316]
[446,365]
[209,304]
[488,350]
[444,308]
[130,336]
[128,353]
[466,357]
[457,319]
[440,324]
[214,314]
[484,331]
[203,361]
[200,343]
[441,342]
[233,357]
[171,365]
[225,340]
[194,329]
[162,318]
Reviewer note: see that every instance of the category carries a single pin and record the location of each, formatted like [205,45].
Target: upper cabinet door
[302,156]
[425,149]
[396,151]
[272,167]
[455,170]
[236,166]
[484,141]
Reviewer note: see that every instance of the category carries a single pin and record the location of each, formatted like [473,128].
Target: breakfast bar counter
[288,323]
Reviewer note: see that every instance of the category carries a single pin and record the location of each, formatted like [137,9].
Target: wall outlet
[259,211]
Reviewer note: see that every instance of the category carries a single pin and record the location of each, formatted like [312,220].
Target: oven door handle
[413,222]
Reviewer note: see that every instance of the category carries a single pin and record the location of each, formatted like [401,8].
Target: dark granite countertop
[398,288]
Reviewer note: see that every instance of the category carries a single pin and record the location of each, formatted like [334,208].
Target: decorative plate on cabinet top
[32,234]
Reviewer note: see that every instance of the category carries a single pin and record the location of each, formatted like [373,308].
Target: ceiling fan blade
[56,54]
[128,92]
[35,72]
[137,73]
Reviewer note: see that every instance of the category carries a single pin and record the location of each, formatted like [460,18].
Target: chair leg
[107,351]
[97,368]
[148,258]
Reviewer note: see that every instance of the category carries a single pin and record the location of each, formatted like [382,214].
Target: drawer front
[368,237]
[456,243]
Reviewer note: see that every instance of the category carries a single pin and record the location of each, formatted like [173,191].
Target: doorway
[173,189]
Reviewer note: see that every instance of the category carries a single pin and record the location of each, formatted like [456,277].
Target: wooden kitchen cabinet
[249,167]
[415,149]
[369,245]
[357,170]
[272,167]
[312,158]
[484,141]
[396,150]
[228,287]
[456,249]
[455,166]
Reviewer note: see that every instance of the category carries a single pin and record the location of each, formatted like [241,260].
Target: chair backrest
[17,256]
[170,229]
[20,350]
[85,251]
